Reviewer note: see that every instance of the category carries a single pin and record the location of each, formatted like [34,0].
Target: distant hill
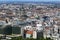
[19,2]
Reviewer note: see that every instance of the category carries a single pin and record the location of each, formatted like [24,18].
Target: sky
[30,0]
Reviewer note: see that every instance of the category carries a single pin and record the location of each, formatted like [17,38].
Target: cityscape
[30,21]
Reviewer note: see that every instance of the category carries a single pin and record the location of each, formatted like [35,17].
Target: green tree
[7,30]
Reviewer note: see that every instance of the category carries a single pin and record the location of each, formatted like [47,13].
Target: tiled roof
[29,32]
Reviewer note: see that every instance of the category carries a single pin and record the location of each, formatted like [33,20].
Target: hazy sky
[30,0]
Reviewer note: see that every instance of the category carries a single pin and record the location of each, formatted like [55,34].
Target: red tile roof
[29,32]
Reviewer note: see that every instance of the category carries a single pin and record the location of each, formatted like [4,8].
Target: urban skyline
[29,19]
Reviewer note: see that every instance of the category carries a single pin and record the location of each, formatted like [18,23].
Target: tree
[7,30]
[48,39]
